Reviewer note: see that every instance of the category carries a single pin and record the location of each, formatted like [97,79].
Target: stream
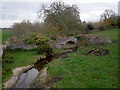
[28,76]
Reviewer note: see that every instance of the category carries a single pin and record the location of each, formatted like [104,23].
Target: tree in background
[108,14]
[61,18]
[25,26]
[108,19]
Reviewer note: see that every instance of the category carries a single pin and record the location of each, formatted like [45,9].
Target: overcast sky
[18,10]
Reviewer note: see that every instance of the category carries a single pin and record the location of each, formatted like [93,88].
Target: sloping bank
[85,71]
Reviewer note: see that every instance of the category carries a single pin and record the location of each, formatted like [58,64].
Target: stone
[98,39]
[61,42]
[13,44]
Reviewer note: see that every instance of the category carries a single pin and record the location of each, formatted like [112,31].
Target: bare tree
[108,19]
[108,14]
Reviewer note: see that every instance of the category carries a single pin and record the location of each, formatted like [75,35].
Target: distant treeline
[6,28]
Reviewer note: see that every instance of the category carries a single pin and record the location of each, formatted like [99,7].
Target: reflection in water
[27,78]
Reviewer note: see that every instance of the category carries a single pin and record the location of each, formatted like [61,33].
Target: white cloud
[17,10]
[7,23]
[68,1]
[92,16]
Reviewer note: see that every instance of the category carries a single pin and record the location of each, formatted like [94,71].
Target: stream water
[28,76]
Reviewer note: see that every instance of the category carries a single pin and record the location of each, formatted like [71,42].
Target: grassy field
[76,71]
[20,58]
[87,71]
[112,34]
[5,34]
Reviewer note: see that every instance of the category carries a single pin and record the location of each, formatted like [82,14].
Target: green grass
[112,34]
[21,58]
[5,34]
[87,71]
[58,50]
[76,71]
[81,71]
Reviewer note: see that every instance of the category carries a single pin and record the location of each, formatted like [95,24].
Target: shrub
[25,26]
[7,56]
[90,27]
[38,39]
[31,41]
[83,42]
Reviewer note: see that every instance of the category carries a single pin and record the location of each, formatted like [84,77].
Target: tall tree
[108,14]
[108,19]
[61,17]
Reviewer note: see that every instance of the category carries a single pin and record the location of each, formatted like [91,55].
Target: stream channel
[28,76]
